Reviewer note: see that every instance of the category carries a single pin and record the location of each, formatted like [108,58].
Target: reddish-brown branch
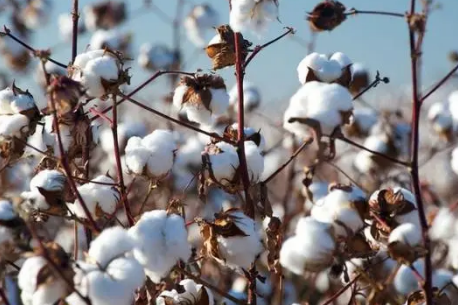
[258,49]
[178,122]
[415,51]
[117,155]
[439,83]
[293,156]
[75,17]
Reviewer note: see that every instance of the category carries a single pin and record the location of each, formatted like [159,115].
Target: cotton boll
[110,244]
[407,234]
[12,102]
[36,13]
[255,161]
[252,14]
[443,225]
[318,189]
[45,181]
[202,18]
[311,249]
[241,251]
[224,163]
[251,96]
[13,125]
[324,103]
[440,117]
[160,242]
[326,70]
[157,57]
[100,199]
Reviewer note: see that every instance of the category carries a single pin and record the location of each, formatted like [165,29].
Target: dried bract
[326,16]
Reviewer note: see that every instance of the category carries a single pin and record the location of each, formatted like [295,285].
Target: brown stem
[293,156]
[117,154]
[210,286]
[415,126]
[189,126]
[143,85]
[7,32]
[75,17]
[439,83]
[258,49]
[354,11]
[75,240]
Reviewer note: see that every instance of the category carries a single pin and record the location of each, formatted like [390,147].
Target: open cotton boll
[125,131]
[252,14]
[161,240]
[407,234]
[364,161]
[443,225]
[13,125]
[311,249]
[110,244]
[193,294]
[440,117]
[34,293]
[43,183]
[255,161]
[318,190]
[241,251]
[328,104]
[12,102]
[251,96]
[202,18]
[156,57]
[326,70]
[338,208]
[100,199]
[224,162]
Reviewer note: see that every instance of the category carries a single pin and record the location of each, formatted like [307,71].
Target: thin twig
[439,84]
[293,156]
[354,11]
[75,17]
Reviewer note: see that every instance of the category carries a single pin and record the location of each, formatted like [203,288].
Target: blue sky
[379,42]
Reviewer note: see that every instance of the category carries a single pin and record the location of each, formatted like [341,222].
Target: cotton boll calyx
[157,57]
[232,238]
[344,207]
[318,67]
[161,240]
[191,293]
[39,283]
[250,134]
[253,14]
[100,199]
[202,97]
[251,97]
[321,106]
[46,192]
[311,249]
[221,49]
[99,71]
[109,275]
[201,18]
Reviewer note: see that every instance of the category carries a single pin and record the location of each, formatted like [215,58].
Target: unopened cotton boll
[311,249]
[339,208]
[317,66]
[94,69]
[330,105]
[153,155]
[193,294]
[251,96]
[161,240]
[252,14]
[241,251]
[100,199]
[202,97]
[42,187]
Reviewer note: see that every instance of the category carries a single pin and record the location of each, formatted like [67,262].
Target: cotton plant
[160,242]
[99,71]
[253,15]
[251,97]
[321,106]
[109,274]
[202,97]
[318,67]
[40,284]
[100,197]
[232,239]
[46,193]
[202,18]
[192,293]
[156,57]
[151,156]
